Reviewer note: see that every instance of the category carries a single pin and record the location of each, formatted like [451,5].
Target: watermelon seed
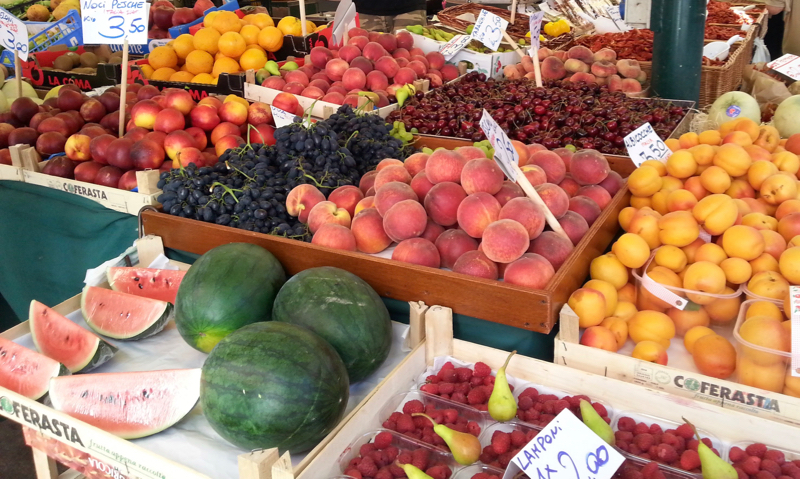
[141,286]
[136,278]
[144,393]
[85,394]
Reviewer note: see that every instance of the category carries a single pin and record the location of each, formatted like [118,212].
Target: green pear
[290,66]
[596,423]
[502,405]
[272,67]
[466,448]
[713,466]
[413,472]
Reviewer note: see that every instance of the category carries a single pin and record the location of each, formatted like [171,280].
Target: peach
[581,53]
[367,227]
[367,202]
[346,197]
[628,68]
[603,68]
[376,81]
[417,251]
[600,337]
[583,77]
[432,231]
[392,193]
[444,165]
[554,198]
[716,213]
[527,213]
[178,140]
[472,152]
[296,76]
[613,183]
[221,130]
[443,202]
[415,163]
[335,68]
[393,173]
[367,181]
[644,181]
[574,226]
[553,246]
[651,326]
[615,85]
[475,263]
[481,175]
[504,240]
[778,188]
[670,257]
[534,174]
[405,75]
[596,193]
[685,320]
[205,117]
[452,244]
[769,284]
[187,156]
[421,185]
[585,207]
[590,307]
[767,333]
[327,212]
[320,56]
[531,270]
[354,79]
[609,269]
[551,163]
[387,162]
[508,191]
[553,69]
[631,85]
[144,113]
[605,55]
[476,212]
[744,242]
[678,228]
[631,250]
[335,236]
[574,65]
[681,200]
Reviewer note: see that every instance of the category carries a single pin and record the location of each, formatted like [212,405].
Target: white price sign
[15,34]
[644,144]
[114,21]
[504,153]
[566,446]
[788,64]
[536,29]
[489,29]
[613,13]
[794,316]
[281,117]
[454,46]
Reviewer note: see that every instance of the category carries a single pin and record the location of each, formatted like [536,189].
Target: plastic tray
[441,360]
[558,393]
[751,295]
[788,453]
[486,435]
[469,471]
[744,347]
[399,441]
[66,31]
[176,31]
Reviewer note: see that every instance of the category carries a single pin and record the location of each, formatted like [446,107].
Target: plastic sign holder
[644,144]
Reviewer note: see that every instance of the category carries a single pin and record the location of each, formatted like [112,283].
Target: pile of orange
[225,44]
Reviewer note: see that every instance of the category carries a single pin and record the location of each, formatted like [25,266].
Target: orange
[262,20]
[209,18]
[231,44]
[147,71]
[250,34]
[199,62]
[163,74]
[206,39]
[256,47]
[184,68]
[253,60]
[163,56]
[181,76]
[204,78]
[183,45]
[226,21]
[290,26]
[271,39]
[225,65]
[248,19]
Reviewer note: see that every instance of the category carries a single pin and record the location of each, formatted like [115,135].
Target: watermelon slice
[129,405]
[26,372]
[123,316]
[152,283]
[59,338]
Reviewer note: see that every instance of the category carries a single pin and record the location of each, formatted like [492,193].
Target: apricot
[737,270]
[744,242]
[659,202]
[678,228]
[627,293]
[670,257]
[681,200]
[589,305]
[681,164]
[619,327]
[778,188]
[715,179]
[710,252]
[759,171]
[761,222]
[650,351]
[685,320]
[724,310]
[786,161]
[608,291]
[703,154]
[710,137]
[644,181]
[768,377]
[733,159]
[670,184]
[765,332]
[649,301]
[789,264]
[694,185]
[738,138]
[786,208]
[764,308]
[625,309]
[599,337]
[673,144]
[631,250]
[645,225]
[706,277]
[693,334]
[609,268]
[714,356]
[625,216]
[651,326]
[740,189]
[765,262]
[715,213]
[641,201]
[727,127]
[768,284]
[789,226]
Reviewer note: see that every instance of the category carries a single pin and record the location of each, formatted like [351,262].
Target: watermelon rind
[161,284]
[230,286]
[59,338]
[344,310]
[107,313]
[131,404]
[25,371]
[274,384]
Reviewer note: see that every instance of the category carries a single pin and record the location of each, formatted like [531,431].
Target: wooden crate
[719,392]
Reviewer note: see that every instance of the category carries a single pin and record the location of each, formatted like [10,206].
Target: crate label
[644,144]
[567,446]
[794,315]
[663,293]
[489,29]
[454,46]
[114,21]
[504,153]
[15,34]
[535,24]
[788,64]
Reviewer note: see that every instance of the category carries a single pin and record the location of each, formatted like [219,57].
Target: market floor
[16,460]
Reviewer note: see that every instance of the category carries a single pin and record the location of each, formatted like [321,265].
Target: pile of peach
[453,209]
[721,212]
[766,325]
[580,64]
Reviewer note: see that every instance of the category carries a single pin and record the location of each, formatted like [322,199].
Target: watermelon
[230,286]
[344,310]
[123,316]
[129,405]
[59,338]
[26,372]
[161,284]
[274,385]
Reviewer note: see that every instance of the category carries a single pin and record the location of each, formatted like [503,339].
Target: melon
[274,384]
[26,372]
[123,316]
[344,310]
[59,338]
[129,405]
[151,283]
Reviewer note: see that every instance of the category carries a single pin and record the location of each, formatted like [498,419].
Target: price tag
[504,153]
[536,29]
[281,117]
[489,29]
[15,34]
[794,316]
[613,12]
[788,64]
[455,45]
[567,446]
[114,21]
[644,144]
[345,14]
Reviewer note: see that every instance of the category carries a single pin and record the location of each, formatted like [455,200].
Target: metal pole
[679,27]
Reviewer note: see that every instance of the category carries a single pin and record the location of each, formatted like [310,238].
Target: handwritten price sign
[489,29]
[566,449]
[14,34]
[114,21]
[504,153]
[535,23]
[455,45]
[788,64]
[644,144]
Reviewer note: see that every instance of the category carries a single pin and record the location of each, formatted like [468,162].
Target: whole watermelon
[274,385]
[230,286]
[344,310]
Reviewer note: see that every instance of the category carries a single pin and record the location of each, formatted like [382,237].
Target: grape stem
[227,190]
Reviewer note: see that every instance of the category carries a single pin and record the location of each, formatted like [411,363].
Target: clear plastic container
[768,366]
[469,471]
[508,427]
[399,441]
[753,296]
[789,454]
[560,394]
[440,361]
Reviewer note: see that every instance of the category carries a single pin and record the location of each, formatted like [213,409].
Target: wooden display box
[39,69]
[496,301]
[227,84]
[726,394]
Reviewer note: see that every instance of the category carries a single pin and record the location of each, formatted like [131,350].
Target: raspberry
[380,458]
[415,405]
[384,473]
[481,475]
[685,431]
[765,475]
[354,473]
[366,449]
[404,458]
[559,406]
[438,472]
[751,465]
[367,467]
[488,381]
[741,473]
[391,453]
[518,438]
[459,427]
[459,397]
[601,410]
[473,428]
[382,440]
[463,388]
[482,369]
[532,393]
[397,471]
[708,443]
[626,436]
[641,428]
[648,471]
[501,442]
[476,396]
[525,403]
[692,444]
[631,473]
[787,468]
[666,453]
[545,419]
[444,396]
[446,388]
[626,424]
[448,365]
[448,375]
[643,441]
[405,423]
[775,455]
[771,466]
[634,449]
[419,458]
[353,463]
[531,415]
[420,422]
[450,416]
[433,380]
[475,381]
[485,458]
[427,438]
[785,477]
[464,374]
[671,439]
[504,459]
[690,460]
[655,429]
[390,425]
[549,406]
[430,388]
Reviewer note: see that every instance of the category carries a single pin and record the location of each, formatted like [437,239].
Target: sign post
[15,38]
